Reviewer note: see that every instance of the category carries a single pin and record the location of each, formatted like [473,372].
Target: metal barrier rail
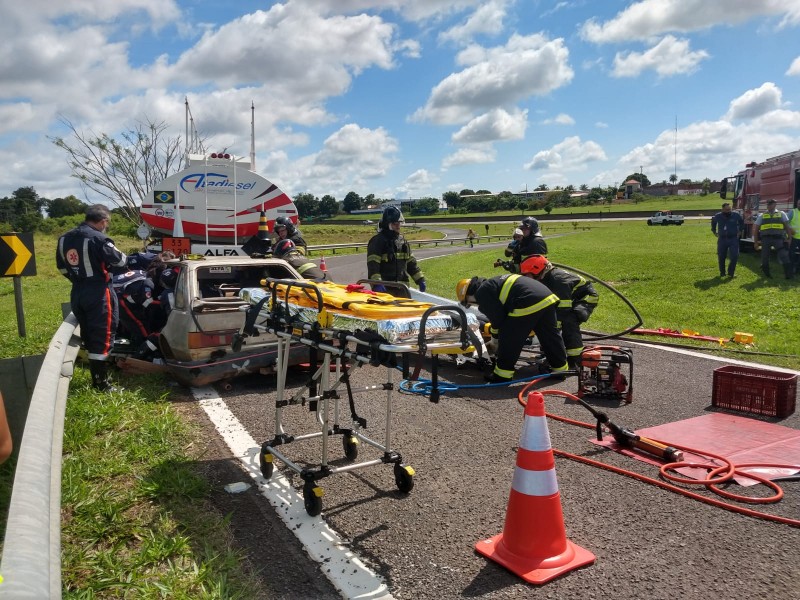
[418,243]
[31,564]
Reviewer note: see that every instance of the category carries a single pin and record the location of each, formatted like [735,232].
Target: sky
[409,98]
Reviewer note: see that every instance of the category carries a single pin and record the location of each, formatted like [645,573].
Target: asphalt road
[648,542]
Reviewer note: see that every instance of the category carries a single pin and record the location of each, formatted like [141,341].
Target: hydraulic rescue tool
[601,375]
[630,439]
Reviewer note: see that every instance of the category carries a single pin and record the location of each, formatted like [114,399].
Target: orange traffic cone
[534,543]
[263,228]
[322,266]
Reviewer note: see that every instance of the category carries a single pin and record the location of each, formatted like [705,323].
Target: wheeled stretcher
[320,317]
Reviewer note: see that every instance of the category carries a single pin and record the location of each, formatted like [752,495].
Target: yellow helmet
[461,290]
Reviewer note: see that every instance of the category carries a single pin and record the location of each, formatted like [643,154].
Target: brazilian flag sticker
[163,197]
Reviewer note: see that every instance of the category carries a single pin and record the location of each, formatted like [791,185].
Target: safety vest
[772,223]
[794,223]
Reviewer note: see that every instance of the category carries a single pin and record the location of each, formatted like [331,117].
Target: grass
[135,519]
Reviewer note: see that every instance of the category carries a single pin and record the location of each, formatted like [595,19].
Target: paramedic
[771,231]
[135,295]
[532,242]
[728,227]
[87,257]
[577,299]
[286,230]
[515,306]
[286,250]
[389,255]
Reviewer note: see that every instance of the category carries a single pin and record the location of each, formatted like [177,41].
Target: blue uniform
[728,227]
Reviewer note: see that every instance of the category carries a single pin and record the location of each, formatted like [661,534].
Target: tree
[485,192]
[452,199]
[23,210]
[466,192]
[425,206]
[65,207]
[328,206]
[123,171]
[351,202]
[673,178]
[640,177]
[542,187]
[307,205]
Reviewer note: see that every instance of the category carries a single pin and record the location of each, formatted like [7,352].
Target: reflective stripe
[87,263]
[574,351]
[535,436]
[529,310]
[305,267]
[535,483]
[507,287]
[503,372]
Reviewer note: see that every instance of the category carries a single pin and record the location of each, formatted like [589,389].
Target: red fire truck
[777,177]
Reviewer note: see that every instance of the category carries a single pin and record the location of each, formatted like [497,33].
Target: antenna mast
[675,149]
[252,136]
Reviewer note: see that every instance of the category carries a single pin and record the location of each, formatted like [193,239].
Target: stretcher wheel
[266,464]
[312,498]
[350,445]
[404,477]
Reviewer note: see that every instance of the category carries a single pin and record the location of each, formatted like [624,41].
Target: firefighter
[577,300]
[286,250]
[772,231]
[87,257]
[515,306]
[286,230]
[532,242]
[389,255]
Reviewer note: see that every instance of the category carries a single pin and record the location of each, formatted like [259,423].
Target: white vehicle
[208,312]
[665,217]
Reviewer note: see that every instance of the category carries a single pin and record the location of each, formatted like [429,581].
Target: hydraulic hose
[717,475]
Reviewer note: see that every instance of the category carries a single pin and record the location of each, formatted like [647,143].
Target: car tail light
[210,339]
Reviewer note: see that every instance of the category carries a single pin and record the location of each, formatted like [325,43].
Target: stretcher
[348,327]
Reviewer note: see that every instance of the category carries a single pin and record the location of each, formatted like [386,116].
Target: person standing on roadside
[471,237]
[728,226]
[772,231]
[794,246]
[87,257]
[389,255]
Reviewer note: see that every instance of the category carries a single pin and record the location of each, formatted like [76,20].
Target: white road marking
[343,568]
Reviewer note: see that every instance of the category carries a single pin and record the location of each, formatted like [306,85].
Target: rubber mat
[739,439]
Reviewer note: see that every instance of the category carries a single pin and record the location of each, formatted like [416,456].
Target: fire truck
[776,177]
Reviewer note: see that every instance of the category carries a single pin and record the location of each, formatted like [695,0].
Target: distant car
[368,222]
[196,341]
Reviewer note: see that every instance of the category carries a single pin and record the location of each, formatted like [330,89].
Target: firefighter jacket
[299,242]
[527,247]
[305,267]
[511,296]
[86,255]
[389,258]
[575,294]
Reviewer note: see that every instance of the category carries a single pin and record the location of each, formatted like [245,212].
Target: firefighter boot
[574,363]
[787,270]
[99,371]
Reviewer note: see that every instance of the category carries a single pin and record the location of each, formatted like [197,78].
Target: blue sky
[410,98]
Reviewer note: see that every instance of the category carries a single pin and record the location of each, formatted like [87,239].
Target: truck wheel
[665,222]
[649,222]
[679,223]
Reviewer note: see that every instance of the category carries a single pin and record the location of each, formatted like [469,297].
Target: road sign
[17,255]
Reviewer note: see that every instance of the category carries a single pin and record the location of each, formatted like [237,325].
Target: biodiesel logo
[199,181]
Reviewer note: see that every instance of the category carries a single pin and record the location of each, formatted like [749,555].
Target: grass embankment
[670,275]
[135,515]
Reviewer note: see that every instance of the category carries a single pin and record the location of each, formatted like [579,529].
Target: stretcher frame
[344,350]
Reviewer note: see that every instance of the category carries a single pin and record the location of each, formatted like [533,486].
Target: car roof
[233,261]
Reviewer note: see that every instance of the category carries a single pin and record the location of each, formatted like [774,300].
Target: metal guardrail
[31,564]
[418,243]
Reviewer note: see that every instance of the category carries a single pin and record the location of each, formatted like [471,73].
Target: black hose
[600,336]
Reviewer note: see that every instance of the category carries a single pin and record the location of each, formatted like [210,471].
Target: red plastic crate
[756,391]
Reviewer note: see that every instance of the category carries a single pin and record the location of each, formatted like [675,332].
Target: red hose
[717,474]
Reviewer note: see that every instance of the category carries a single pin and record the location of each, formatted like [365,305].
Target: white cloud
[471,155]
[419,184]
[754,103]
[413,10]
[670,56]
[560,119]
[499,76]
[650,18]
[794,68]
[487,20]
[569,154]
[497,124]
[601,125]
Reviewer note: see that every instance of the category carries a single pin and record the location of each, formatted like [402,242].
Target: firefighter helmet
[466,288]
[283,248]
[535,265]
[285,222]
[391,214]
[532,223]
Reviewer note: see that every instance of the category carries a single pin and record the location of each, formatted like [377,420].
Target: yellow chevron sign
[17,255]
